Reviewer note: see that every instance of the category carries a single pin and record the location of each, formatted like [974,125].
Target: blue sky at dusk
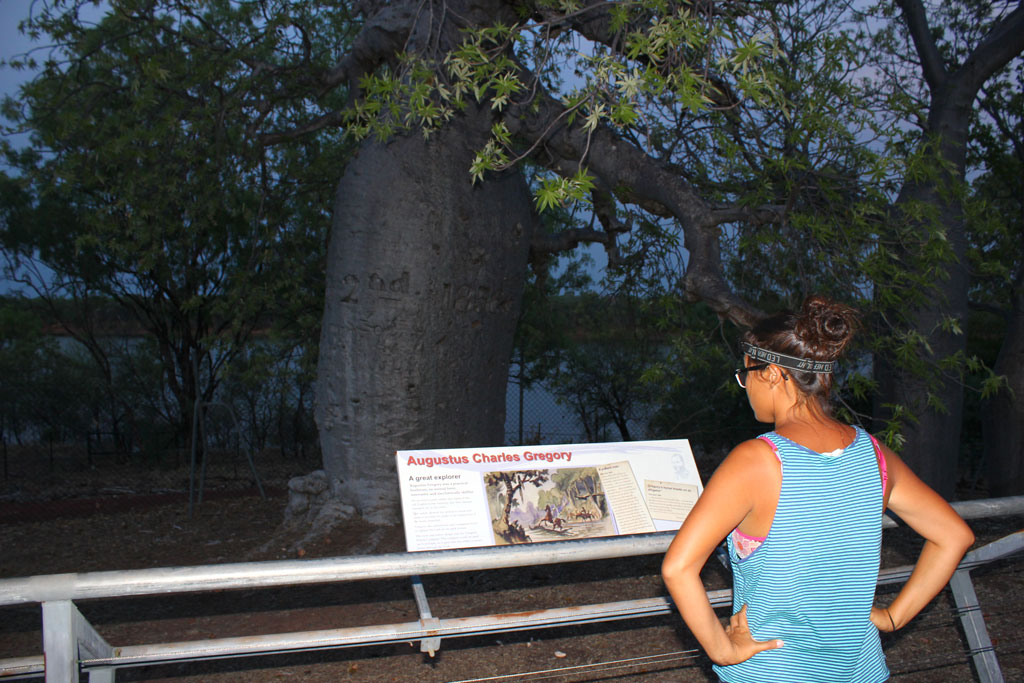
[13,43]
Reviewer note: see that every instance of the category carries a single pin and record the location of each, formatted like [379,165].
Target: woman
[802,508]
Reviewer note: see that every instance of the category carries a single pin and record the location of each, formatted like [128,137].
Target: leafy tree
[423,293]
[957,48]
[592,351]
[51,394]
[142,187]
[270,389]
[707,138]
[700,399]
[21,347]
[422,360]
[996,236]
[511,485]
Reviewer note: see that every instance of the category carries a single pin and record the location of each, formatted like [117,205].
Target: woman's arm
[726,500]
[947,538]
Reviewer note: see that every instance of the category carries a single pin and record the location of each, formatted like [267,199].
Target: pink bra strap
[739,533]
[775,449]
[881,463]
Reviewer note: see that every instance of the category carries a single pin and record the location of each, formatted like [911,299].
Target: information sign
[470,497]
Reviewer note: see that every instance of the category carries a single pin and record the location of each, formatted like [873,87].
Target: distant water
[546,421]
[542,416]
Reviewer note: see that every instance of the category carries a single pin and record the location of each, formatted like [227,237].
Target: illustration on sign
[547,505]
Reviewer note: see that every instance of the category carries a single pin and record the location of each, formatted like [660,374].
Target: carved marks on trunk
[381,288]
[352,286]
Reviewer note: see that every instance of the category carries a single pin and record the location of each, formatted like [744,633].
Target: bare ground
[152,532]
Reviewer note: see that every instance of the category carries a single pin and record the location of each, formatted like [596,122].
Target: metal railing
[71,644]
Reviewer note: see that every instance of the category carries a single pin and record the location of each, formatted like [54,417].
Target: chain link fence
[159,460]
[266,430]
[42,470]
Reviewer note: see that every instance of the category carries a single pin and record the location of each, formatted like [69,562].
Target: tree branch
[381,38]
[1004,42]
[635,177]
[757,215]
[567,239]
[334,118]
[594,22]
[931,61]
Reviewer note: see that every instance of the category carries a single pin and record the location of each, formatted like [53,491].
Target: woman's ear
[776,374]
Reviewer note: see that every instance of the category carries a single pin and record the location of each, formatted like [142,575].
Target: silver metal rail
[247,575]
[70,643]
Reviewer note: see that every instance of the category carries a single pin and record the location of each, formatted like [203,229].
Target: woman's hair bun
[825,326]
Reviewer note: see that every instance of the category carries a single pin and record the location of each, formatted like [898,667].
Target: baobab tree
[707,128]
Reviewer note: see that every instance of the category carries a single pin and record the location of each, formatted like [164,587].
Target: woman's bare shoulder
[753,454]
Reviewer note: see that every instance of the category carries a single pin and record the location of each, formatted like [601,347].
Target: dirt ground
[137,533]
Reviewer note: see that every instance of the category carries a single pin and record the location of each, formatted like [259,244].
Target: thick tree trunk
[932,447]
[933,440]
[424,279]
[933,434]
[1003,416]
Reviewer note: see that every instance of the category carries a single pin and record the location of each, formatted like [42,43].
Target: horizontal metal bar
[990,507]
[140,655]
[137,655]
[247,575]
[22,667]
[990,552]
[977,509]
[391,633]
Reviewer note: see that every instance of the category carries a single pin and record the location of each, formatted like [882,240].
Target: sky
[13,43]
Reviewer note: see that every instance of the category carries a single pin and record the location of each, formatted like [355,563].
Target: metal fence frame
[71,644]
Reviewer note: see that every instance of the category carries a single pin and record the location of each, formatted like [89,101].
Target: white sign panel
[469,497]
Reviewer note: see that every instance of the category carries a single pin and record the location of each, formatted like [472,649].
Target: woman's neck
[808,424]
[803,412]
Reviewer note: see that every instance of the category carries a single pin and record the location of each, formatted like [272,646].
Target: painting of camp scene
[530,506]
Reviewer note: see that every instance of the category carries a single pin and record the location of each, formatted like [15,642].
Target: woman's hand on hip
[743,644]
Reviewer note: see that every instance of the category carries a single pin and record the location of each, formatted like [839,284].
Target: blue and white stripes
[812,582]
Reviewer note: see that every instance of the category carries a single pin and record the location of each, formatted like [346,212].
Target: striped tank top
[812,582]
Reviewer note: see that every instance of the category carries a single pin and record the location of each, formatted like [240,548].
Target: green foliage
[56,391]
[995,208]
[836,234]
[53,391]
[916,249]
[700,397]
[146,181]
[561,190]
[591,352]
[670,56]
